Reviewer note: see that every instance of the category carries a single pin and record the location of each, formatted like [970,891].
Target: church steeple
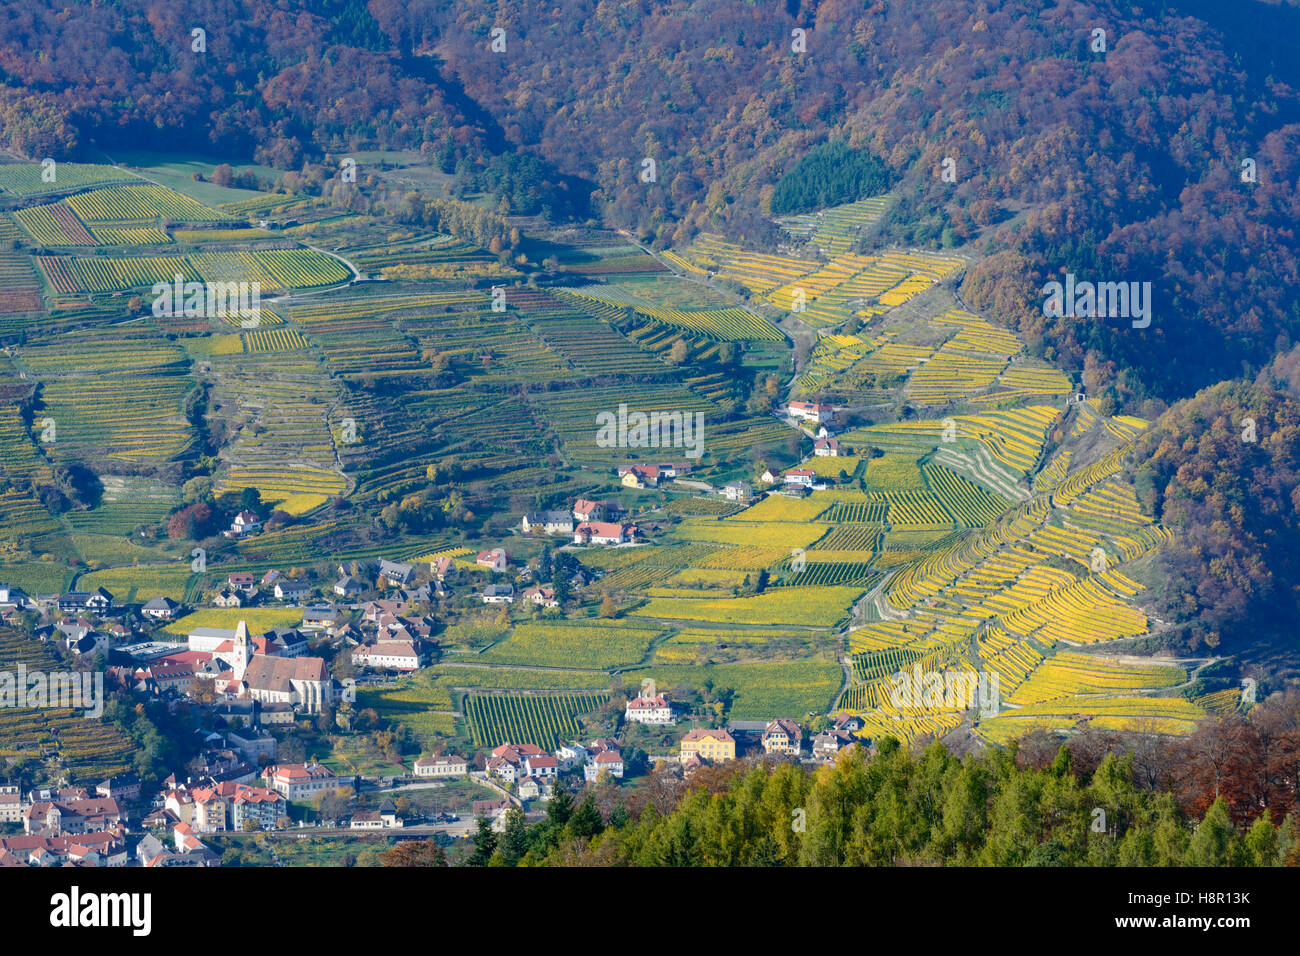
[243,651]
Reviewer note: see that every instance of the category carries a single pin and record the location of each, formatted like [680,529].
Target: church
[301,682]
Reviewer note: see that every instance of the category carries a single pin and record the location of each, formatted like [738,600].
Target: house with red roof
[603,532]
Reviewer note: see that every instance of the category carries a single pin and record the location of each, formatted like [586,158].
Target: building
[321,617]
[442,569]
[243,581]
[603,532]
[59,816]
[737,491]
[547,522]
[801,477]
[649,710]
[394,575]
[584,510]
[447,765]
[714,746]
[348,587]
[298,782]
[388,655]
[228,597]
[607,761]
[507,762]
[11,597]
[160,608]
[245,523]
[541,596]
[98,601]
[810,411]
[291,590]
[385,818]
[499,594]
[301,682]
[783,736]
[262,806]
[570,756]
[769,477]
[826,745]
[640,476]
[494,559]
[826,448]
[11,805]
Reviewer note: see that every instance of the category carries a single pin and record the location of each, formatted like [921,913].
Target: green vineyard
[543,720]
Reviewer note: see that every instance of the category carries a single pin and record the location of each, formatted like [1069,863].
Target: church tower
[243,651]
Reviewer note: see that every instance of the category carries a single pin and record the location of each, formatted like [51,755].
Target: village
[368,623]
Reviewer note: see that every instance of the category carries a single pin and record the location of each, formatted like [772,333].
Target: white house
[826,448]
[603,532]
[810,411]
[547,522]
[499,594]
[160,608]
[649,710]
[608,761]
[245,523]
[737,491]
[448,765]
[292,590]
[571,755]
[391,655]
[801,477]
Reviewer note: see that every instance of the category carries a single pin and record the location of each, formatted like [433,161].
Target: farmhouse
[243,580]
[321,617]
[826,745]
[826,448]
